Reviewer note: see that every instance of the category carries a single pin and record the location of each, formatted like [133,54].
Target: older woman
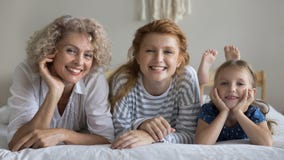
[59,95]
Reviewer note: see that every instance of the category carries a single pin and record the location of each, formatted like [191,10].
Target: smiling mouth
[74,70]
[231,97]
[158,68]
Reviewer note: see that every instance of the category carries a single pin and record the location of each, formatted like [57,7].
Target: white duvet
[229,150]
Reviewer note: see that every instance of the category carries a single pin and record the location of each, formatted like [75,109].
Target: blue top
[209,112]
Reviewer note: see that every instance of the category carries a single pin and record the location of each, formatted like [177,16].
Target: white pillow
[276,116]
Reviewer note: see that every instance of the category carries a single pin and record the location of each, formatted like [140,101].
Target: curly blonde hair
[43,42]
[131,68]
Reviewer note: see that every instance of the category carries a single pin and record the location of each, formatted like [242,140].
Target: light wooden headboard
[260,83]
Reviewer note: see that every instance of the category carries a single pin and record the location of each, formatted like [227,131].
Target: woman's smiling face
[74,57]
[158,57]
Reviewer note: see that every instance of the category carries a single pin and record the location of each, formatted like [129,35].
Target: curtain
[159,9]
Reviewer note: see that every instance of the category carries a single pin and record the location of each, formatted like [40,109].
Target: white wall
[255,26]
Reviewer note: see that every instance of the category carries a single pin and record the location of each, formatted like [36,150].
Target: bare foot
[207,60]
[232,53]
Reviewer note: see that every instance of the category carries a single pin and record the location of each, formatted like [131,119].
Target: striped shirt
[179,105]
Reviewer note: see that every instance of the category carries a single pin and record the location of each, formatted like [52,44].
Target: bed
[236,149]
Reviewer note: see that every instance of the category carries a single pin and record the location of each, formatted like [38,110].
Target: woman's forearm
[42,118]
[73,137]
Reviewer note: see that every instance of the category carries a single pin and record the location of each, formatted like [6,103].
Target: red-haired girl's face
[158,57]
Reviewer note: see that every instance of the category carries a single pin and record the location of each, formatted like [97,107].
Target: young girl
[230,114]
[155,96]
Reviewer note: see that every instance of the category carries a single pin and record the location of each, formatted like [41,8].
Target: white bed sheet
[228,150]
[155,152]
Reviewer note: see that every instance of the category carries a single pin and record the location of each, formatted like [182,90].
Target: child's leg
[207,60]
[232,53]
[203,72]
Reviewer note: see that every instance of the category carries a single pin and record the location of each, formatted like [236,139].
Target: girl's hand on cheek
[251,96]
[244,102]
[217,100]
